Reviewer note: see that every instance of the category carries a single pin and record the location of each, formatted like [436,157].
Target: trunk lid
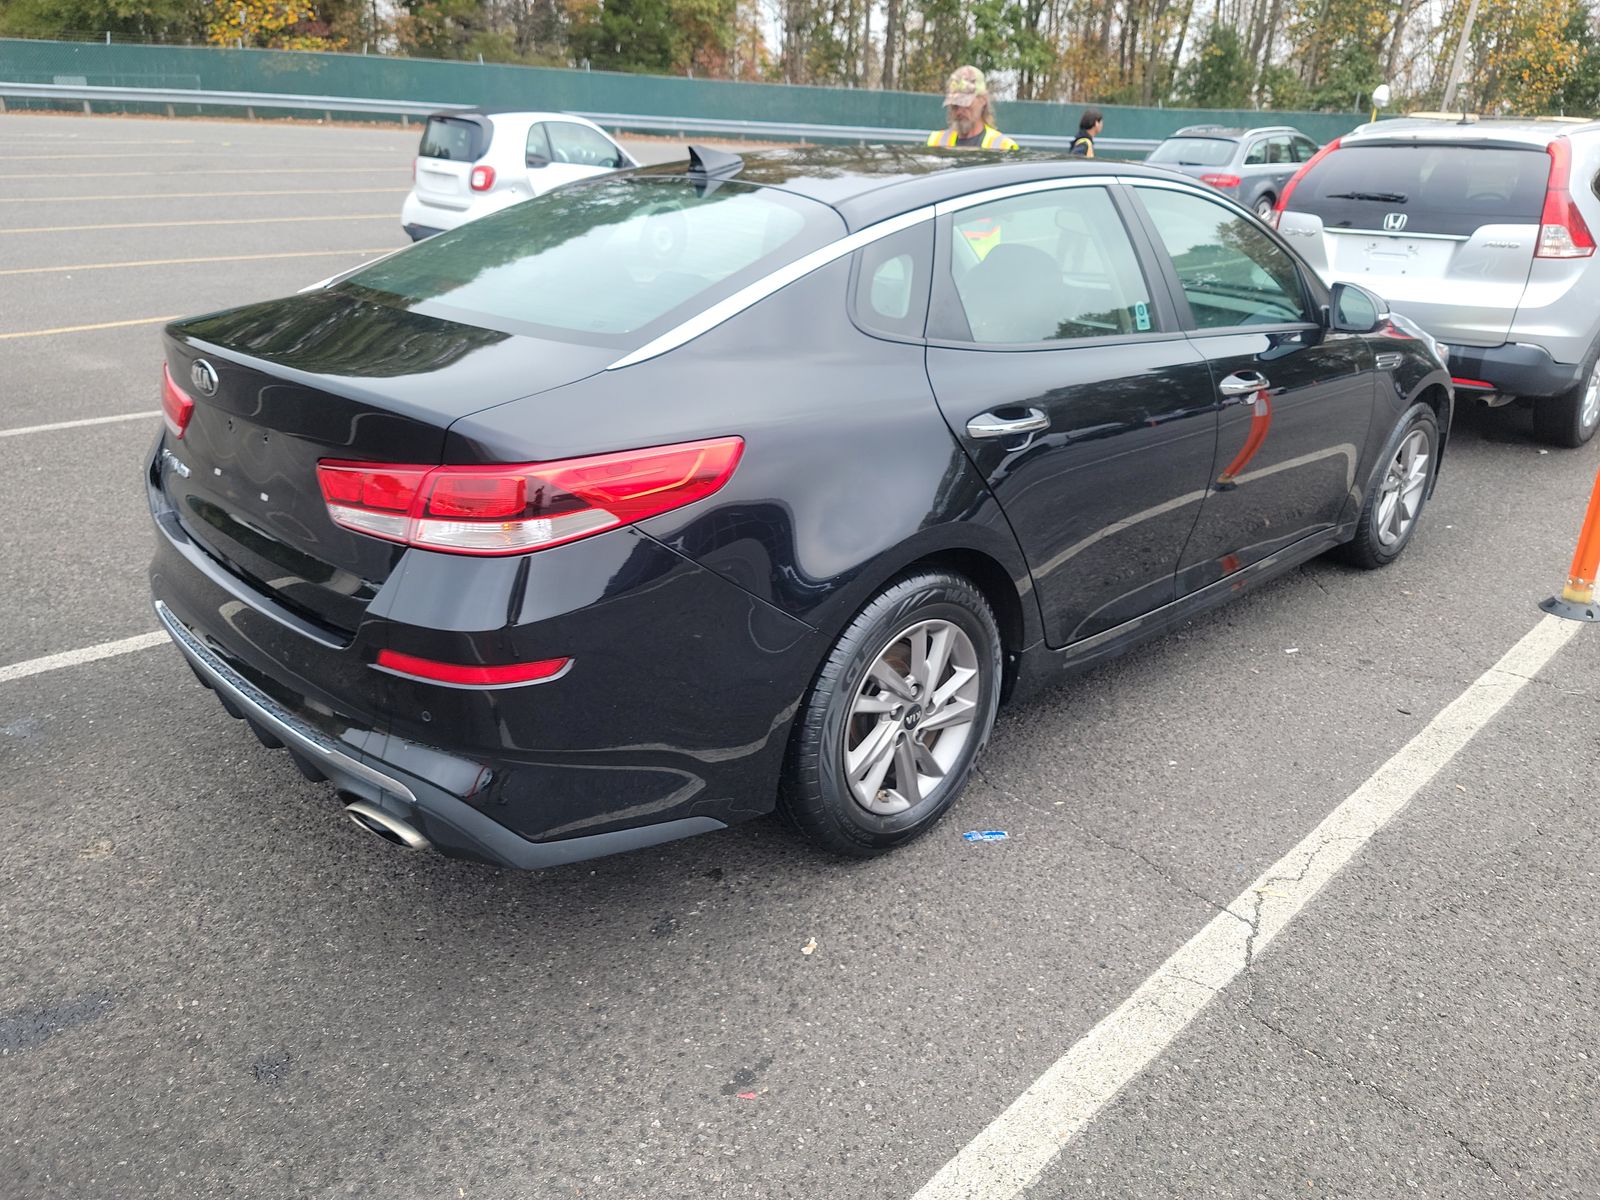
[327,376]
[1444,232]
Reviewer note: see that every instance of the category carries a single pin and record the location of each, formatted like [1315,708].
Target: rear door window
[451,138]
[1450,190]
[1051,266]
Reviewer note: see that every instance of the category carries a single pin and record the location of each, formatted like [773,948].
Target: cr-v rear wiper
[1387,197]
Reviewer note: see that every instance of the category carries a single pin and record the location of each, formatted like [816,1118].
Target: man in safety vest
[971,114]
[1089,126]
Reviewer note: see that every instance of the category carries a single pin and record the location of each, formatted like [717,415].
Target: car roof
[867,184]
[1230,131]
[1525,131]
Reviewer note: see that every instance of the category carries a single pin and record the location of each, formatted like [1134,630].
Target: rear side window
[1257,155]
[1194,152]
[1448,190]
[891,290]
[538,145]
[598,261]
[451,138]
[581,145]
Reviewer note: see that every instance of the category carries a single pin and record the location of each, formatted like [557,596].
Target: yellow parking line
[86,328]
[168,262]
[388,216]
[209,172]
[201,195]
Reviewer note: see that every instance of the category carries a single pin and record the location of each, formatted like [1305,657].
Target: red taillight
[1221,181]
[469,675]
[176,407]
[515,509]
[1563,233]
[482,178]
[1294,180]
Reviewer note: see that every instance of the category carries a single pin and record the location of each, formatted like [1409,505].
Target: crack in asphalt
[1095,835]
[1387,1097]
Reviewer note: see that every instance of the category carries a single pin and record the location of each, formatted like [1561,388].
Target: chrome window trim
[1427,237]
[708,319]
[752,293]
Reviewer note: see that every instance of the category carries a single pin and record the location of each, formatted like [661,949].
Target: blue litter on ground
[985,835]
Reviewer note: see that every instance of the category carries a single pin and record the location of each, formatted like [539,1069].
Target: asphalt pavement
[213,985]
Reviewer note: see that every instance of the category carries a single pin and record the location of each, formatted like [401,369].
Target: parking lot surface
[213,985]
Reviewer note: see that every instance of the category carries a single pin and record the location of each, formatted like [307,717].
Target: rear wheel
[1397,492]
[1571,418]
[1264,207]
[894,722]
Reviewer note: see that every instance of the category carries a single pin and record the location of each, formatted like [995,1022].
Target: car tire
[857,742]
[1264,206]
[1397,492]
[1571,418]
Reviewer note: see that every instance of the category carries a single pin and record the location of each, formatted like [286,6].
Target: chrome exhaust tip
[390,828]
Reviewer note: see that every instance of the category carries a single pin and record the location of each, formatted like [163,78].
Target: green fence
[494,86]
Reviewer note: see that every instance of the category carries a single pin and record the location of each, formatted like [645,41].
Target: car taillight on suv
[1563,233]
[515,509]
[1294,180]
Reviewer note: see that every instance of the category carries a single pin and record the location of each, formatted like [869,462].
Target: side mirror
[1355,310]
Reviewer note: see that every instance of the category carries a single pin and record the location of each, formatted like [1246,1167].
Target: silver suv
[1251,166]
[1482,234]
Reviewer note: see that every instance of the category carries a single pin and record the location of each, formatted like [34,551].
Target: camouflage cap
[966,86]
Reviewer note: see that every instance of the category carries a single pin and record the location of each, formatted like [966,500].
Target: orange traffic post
[1576,602]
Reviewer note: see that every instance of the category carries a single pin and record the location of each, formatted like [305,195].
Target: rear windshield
[602,261]
[1194,152]
[1437,189]
[447,137]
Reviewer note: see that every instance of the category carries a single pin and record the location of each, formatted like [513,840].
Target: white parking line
[367,191]
[1009,1155]
[138,416]
[88,654]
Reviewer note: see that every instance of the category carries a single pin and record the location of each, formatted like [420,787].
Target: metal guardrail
[772,131]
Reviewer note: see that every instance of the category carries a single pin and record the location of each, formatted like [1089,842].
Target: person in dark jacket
[1089,127]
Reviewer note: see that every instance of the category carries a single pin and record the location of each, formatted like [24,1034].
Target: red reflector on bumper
[1472,383]
[468,675]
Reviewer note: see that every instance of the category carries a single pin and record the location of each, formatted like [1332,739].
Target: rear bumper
[1516,369]
[443,820]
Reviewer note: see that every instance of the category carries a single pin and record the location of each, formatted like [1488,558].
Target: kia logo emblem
[1394,222]
[204,377]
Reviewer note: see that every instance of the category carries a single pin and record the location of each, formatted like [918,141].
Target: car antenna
[709,168]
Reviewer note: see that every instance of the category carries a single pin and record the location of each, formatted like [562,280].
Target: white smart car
[472,163]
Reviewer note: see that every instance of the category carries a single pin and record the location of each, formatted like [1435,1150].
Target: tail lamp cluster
[176,404]
[516,509]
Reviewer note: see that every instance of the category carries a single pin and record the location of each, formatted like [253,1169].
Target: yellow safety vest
[993,139]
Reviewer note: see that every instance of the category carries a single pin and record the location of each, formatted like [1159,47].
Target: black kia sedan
[675,496]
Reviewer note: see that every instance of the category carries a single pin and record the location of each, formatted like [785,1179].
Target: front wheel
[894,721]
[1397,492]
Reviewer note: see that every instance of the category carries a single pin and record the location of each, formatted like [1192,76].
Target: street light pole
[1461,54]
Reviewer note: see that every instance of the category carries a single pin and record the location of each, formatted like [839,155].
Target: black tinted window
[446,137]
[1440,189]
[1194,152]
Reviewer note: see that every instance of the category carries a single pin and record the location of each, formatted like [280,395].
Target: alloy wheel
[1589,414]
[912,716]
[1401,493]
